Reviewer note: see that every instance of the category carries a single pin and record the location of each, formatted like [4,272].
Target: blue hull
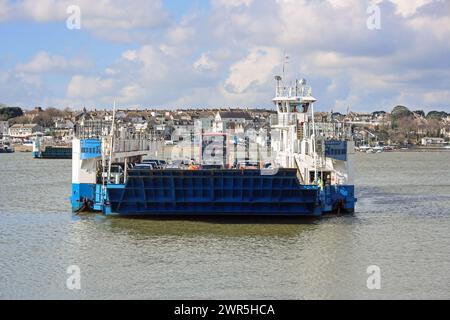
[214,193]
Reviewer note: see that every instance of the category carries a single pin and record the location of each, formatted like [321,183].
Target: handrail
[299,173]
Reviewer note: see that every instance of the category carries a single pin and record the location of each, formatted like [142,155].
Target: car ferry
[50,152]
[305,171]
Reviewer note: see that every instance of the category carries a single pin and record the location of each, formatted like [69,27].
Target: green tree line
[7,113]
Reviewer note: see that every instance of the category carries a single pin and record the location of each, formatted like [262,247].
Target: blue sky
[180,53]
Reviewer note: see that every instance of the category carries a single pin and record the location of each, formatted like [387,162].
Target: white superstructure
[319,150]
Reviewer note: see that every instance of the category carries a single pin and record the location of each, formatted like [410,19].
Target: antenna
[314,143]
[285,61]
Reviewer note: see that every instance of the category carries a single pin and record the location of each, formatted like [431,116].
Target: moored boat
[50,152]
[5,146]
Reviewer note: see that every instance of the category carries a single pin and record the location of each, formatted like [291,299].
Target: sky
[225,53]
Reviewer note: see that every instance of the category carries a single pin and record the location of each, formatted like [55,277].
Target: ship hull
[213,193]
[53,153]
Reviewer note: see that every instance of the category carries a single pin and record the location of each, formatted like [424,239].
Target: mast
[285,61]
[314,143]
[112,143]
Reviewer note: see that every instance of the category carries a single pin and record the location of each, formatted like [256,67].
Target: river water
[401,225]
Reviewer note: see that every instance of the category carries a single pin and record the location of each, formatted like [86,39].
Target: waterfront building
[4,128]
[427,141]
[231,120]
[23,131]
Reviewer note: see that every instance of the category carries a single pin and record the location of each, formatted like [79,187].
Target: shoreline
[413,150]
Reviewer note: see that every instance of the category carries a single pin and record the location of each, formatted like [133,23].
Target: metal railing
[293,91]
[92,129]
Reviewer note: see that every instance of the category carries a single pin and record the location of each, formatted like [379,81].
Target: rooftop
[20,125]
[235,114]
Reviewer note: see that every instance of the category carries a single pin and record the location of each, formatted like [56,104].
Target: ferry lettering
[185,310]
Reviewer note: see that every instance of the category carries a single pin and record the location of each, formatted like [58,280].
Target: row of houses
[157,122]
[182,122]
[62,128]
[24,131]
[163,123]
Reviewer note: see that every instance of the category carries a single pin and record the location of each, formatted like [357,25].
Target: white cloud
[82,87]
[229,54]
[21,88]
[255,69]
[438,27]
[4,10]
[130,55]
[152,62]
[408,8]
[95,15]
[205,63]
[45,62]
[180,34]
[437,97]
[232,3]
[111,72]
[131,94]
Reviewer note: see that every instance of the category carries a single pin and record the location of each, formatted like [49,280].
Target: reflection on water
[402,224]
[212,227]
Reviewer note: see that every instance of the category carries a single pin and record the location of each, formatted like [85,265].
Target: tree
[434,127]
[44,119]
[7,113]
[53,112]
[439,115]
[19,120]
[67,112]
[420,113]
[400,112]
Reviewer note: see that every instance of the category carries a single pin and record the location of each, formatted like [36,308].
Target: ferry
[305,171]
[50,152]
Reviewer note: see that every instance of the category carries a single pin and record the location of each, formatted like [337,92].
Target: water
[402,225]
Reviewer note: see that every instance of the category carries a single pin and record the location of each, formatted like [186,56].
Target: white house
[231,120]
[24,130]
[427,141]
[141,127]
[205,121]
[64,124]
